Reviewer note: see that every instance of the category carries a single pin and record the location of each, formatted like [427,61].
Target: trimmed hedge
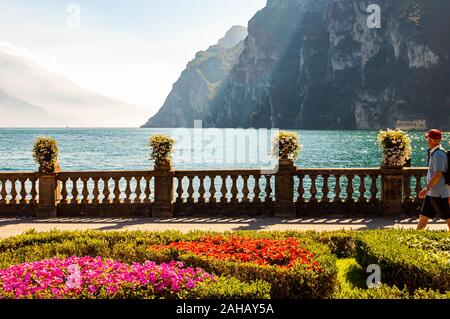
[256,281]
[406,259]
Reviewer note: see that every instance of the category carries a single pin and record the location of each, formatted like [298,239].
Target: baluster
[201,190]
[223,190]
[85,192]
[325,189]
[106,191]
[337,189]
[313,188]
[301,189]
[362,189]
[33,191]
[95,191]
[418,185]
[257,189]
[148,190]
[373,188]
[13,191]
[407,187]
[350,189]
[212,190]
[268,190]
[190,198]
[127,190]
[245,189]
[23,191]
[180,190]
[64,192]
[74,191]
[234,190]
[3,191]
[117,192]
[137,190]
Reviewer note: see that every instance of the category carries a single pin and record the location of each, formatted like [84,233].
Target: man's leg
[423,222]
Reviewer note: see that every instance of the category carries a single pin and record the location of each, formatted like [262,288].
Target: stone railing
[224,192]
[18,193]
[163,192]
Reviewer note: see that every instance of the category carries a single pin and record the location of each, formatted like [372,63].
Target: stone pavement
[15,226]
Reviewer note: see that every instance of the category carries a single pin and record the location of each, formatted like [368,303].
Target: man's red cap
[434,135]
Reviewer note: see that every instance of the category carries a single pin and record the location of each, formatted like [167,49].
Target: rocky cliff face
[315,64]
[192,94]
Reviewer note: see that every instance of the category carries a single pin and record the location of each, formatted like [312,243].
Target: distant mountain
[200,82]
[316,64]
[14,111]
[53,100]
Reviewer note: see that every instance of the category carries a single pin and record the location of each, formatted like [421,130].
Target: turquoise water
[126,149]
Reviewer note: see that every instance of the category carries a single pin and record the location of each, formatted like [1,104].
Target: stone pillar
[163,206]
[392,191]
[284,190]
[49,194]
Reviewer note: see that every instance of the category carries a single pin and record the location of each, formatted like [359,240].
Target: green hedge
[408,259]
[257,281]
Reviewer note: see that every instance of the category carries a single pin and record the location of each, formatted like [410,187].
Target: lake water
[127,149]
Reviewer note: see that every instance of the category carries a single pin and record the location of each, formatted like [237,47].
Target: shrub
[161,148]
[289,266]
[341,243]
[286,145]
[396,148]
[352,279]
[403,262]
[129,247]
[45,153]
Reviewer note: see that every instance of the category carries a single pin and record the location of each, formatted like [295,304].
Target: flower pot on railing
[45,153]
[161,151]
[286,147]
[397,151]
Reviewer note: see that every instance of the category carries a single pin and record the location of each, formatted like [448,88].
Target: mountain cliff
[316,64]
[198,85]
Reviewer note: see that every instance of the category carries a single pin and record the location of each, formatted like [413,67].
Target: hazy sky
[132,50]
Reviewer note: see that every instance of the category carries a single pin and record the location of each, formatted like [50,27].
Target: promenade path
[15,226]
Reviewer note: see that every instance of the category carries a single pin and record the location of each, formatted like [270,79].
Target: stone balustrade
[164,192]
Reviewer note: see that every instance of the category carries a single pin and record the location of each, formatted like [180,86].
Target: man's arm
[436,178]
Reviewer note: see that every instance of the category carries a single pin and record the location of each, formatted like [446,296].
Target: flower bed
[258,266]
[282,253]
[294,269]
[89,277]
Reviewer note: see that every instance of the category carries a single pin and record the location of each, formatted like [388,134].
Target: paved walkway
[15,226]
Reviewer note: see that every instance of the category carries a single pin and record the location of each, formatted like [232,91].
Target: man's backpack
[447,174]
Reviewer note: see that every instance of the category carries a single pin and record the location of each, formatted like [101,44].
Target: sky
[131,50]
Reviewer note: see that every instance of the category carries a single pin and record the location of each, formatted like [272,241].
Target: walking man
[437,192]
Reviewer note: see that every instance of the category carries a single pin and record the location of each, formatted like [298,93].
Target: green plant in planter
[161,149]
[396,147]
[286,145]
[45,153]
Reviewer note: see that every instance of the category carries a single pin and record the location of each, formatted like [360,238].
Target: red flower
[284,253]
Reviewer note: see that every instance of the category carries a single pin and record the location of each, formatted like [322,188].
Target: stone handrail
[164,192]
[18,188]
[105,187]
[367,179]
